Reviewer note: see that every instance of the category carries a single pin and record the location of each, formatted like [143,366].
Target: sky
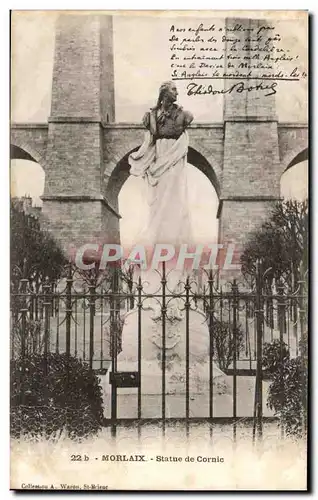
[141,63]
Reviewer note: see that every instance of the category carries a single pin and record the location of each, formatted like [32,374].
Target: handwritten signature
[198,89]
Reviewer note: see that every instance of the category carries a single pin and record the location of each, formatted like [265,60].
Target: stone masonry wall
[32,139]
[74,157]
[76,70]
[251,163]
[82,97]
[74,223]
[251,160]
[241,218]
[245,105]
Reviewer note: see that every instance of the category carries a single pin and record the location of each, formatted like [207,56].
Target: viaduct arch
[83,151]
[120,173]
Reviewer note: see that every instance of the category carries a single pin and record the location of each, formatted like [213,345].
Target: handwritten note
[242,52]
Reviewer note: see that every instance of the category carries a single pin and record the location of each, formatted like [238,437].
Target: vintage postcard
[159,250]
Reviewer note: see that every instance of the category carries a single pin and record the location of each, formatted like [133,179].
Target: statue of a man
[161,161]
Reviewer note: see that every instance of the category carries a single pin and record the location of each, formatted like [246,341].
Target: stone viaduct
[83,151]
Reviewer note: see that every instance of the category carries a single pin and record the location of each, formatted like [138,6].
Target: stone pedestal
[175,371]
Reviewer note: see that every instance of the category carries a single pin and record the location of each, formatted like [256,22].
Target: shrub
[303,347]
[274,354]
[288,388]
[33,334]
[54,393]
[224,342]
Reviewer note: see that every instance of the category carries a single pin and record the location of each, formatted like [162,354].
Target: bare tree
[281,244]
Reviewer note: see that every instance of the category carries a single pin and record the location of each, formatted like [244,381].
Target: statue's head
[167,90]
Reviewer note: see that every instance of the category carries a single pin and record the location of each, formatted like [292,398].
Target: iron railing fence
[83,314]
